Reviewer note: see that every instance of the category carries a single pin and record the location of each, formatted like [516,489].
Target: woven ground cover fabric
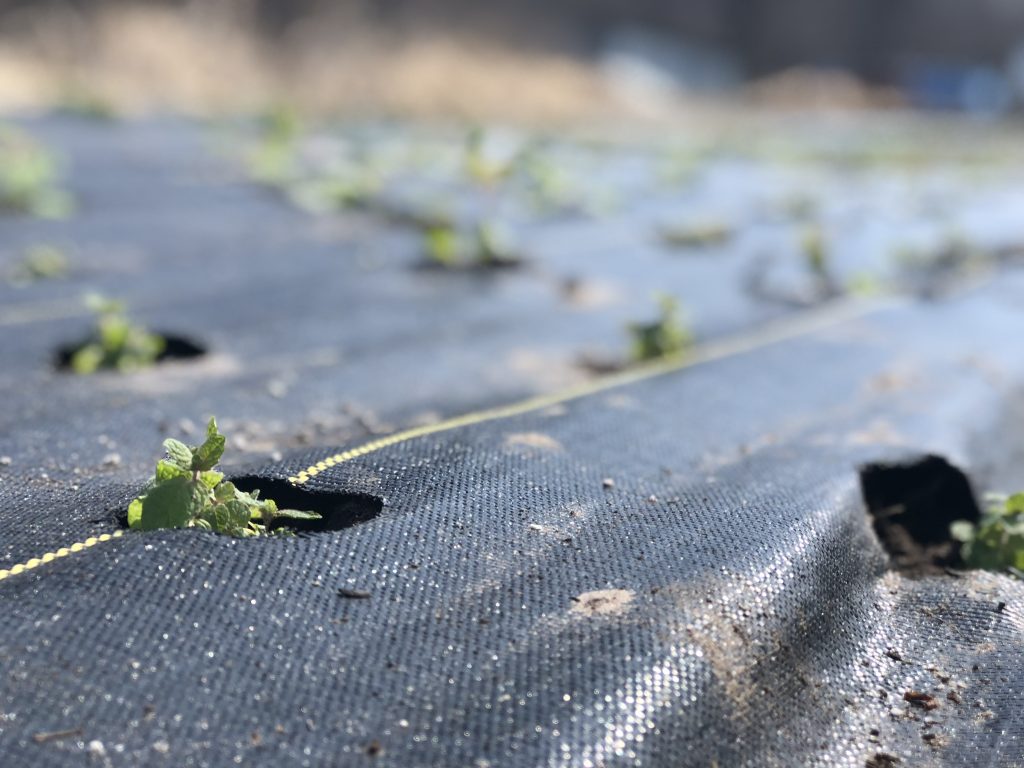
[678,570]
[722,600]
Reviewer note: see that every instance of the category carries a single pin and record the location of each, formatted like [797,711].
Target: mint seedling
[492,248]
[272,161]
[817,261]
[486,247]
[352,189]
[28,177]
[116,342]
[547,186]
[441,244]
[815,254]
[476,163]
[996,542]
[41,262]
[188,492]
[663,337]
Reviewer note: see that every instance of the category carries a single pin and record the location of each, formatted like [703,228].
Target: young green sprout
[547,187]
[492,247]
[477,165]
[272,161]
[188,492]
[116,343]
[816,259]
[996,542]
[441,243]
[352,190]
[486,248]
[41,262]
[29,176]
[666,336]
[815,254]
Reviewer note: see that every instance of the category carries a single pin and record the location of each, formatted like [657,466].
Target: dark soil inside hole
[912,505]
[175,348]
[337,510]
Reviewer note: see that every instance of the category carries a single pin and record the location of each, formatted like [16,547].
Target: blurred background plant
[40,262]
[29,177]
[666,336]
[116,342]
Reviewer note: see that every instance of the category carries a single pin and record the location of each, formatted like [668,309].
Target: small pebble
[608,483]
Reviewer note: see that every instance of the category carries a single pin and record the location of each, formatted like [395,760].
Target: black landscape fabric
[678,570]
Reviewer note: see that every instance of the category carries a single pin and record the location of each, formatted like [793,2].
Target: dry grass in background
[208,59]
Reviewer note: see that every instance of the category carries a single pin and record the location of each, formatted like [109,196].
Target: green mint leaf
[1014,504]
[962,530]
[208,454]
[226,491]
[264,512]
[166,470]
[178,452]
[211,479]
[238,514]
[87,359]
[135,514]
[171,504]
[231,517]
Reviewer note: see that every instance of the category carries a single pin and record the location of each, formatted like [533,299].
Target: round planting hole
[174,348]
[337,510]
[912,505]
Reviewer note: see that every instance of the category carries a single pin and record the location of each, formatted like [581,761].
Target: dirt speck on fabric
[878,432]
[882,760]
[533,440]
[936,740]
[895,380]
[925,700]
[603,602]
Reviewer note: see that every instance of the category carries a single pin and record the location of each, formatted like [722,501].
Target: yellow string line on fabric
[49,557]
[804,325]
